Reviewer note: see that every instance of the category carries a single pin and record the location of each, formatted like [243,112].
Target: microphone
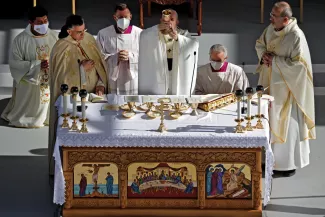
[193,73]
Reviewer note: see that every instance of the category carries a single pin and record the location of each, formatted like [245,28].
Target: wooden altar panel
[246,163]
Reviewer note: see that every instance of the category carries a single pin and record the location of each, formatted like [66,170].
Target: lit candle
[239,95]
[64,90]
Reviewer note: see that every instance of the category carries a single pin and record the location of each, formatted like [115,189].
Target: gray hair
[286,9]
[219,48]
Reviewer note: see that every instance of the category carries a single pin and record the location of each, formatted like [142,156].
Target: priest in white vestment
[119,44]
[167,60]
[28,62]
[286,68]
[220,76]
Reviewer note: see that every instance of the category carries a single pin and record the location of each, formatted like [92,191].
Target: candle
[65,102]
[259,105]
[74,105]
[83,108]
[239,95]
[259,90]
[238,110]
[249,92]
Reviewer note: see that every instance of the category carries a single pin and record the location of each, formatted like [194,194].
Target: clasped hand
[123,55]
[88,64]
[167,27]
[267,59]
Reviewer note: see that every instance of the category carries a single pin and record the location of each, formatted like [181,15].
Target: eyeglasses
[80,32]
[272,15]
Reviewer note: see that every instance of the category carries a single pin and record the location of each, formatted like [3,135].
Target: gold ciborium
[150,112]
[177,113]
[130,112]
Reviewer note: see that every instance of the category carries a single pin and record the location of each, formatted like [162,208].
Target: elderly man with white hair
[220,76]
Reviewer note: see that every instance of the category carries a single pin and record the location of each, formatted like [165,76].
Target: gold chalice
[131,106]
[150,113]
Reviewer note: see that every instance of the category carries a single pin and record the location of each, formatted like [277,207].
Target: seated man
[219,76]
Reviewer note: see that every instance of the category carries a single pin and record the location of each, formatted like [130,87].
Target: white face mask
[41,29]
[123,23]
[216,65]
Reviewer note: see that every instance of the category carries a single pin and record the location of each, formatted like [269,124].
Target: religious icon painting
[233,181]
[162,180]
[95,180]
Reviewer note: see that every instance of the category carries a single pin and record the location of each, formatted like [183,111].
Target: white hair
[219,48]
[286,9]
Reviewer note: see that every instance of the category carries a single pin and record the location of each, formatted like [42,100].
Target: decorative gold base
[65,123]
[84,128]
[175,115]
[153,114]
[74,126]
[162,128]
[249,124]
[259,124]
[239,127]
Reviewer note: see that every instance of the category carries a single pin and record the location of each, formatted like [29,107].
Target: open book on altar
[97,99]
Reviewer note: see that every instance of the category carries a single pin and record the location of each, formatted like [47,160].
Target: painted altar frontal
[163,180]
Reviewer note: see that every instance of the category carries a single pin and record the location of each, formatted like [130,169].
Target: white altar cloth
[208,130]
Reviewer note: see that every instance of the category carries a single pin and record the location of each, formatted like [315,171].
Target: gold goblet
[176,114]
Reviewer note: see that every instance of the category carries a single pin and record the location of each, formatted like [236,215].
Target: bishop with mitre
[167,59]
[76,61]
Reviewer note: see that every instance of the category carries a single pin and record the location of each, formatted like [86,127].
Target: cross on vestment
[169,50]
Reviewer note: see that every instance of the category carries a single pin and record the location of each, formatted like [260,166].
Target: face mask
[123,23]
[41,29]
[216,65]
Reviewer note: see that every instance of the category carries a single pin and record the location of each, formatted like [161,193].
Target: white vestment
[123,76]
[153,68]
[228,81]
[29,104]
[290,82]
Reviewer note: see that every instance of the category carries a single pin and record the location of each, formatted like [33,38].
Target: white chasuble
[229,80]
[29,104]
[153,67]
[123,75]
[290,82]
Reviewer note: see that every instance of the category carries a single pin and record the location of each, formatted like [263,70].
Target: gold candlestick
[239,127]
[83,120]
[64,88]
[259,90]
[83,128]
[65,123]
[162,128]
[74,117]
[249,92]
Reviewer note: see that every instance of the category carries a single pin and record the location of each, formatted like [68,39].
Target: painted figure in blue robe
[109,183]
[220,172]
[209,170]
[82,185]
[135,187]
[189,187]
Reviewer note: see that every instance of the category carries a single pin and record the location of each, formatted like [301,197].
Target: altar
[125,167]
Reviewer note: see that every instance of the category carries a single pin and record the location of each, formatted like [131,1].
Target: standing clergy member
[28,63]
[120,45]
[167,59]
[220,76]
[75,61]
[285,67]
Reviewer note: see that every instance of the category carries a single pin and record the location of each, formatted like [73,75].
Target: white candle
[83,108]
[65,107]
[74,104]
[259,105]
[238,110]
[248,107]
